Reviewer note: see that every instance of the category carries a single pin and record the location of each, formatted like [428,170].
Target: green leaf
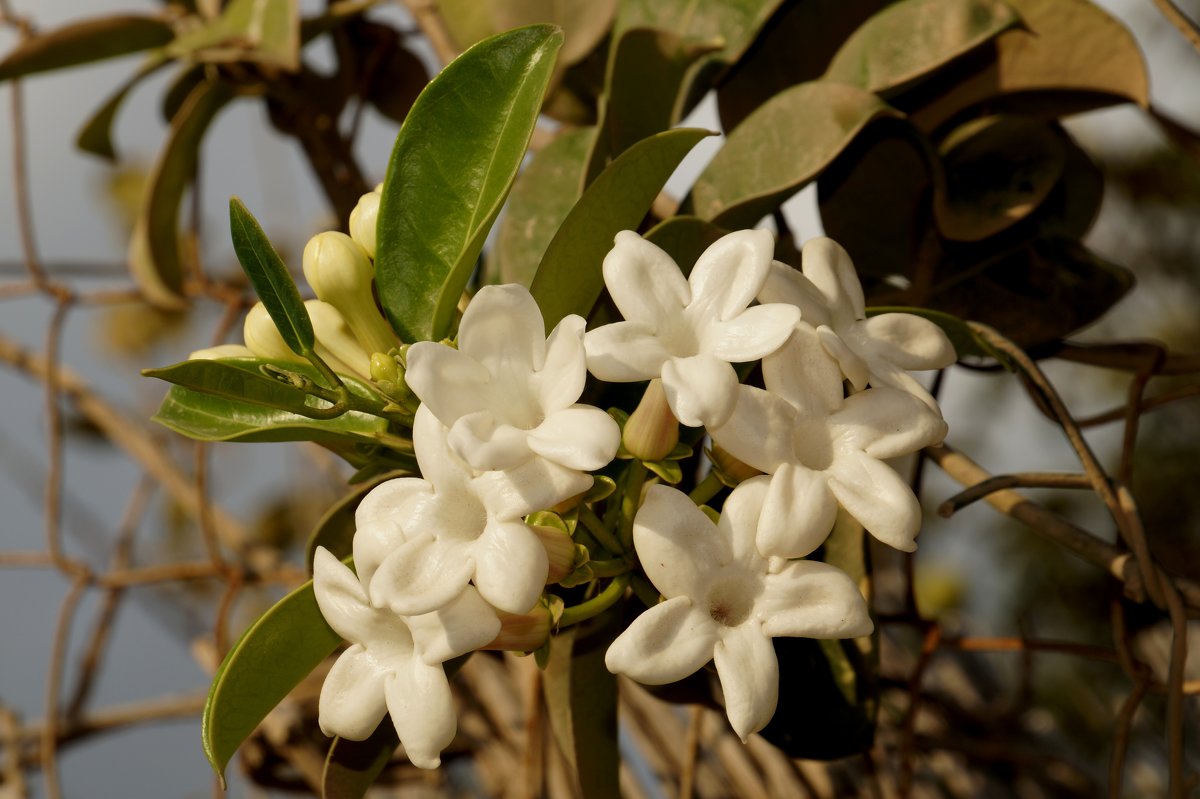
[467,21]
[454,161]
[735,22]
[351,767]
[570,279]
[542,196]
[912,38]
[581,697]
[207,417]
[85,42]
[780,148]
[154,257]
[584,22]
[272,657]
[270,278]
[262,31]
[96,135]
[238,379]
[335,529]
[684,238]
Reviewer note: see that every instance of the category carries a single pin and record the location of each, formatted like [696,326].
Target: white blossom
[394,663]
[724,602]
[688,331]
[508,393]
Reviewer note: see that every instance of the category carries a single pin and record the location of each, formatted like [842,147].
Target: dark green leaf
[270,278]
[541,198]
[351,767]
[735,22]
[263,31]
[911,38]
[154,251]
[96,135]
[684,238]
[454,161]
[780,148]
[85,42]
[581,697]
[272,657]
[1074,204]
[184,82]
[569,279]
[240,380]
[335,530]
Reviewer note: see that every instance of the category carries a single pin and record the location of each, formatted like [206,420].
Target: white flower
[688,332]
[876,351]
[508,393]
[821,450]
[421,541]
[394,664]
[724,602]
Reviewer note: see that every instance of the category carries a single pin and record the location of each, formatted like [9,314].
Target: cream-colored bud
[221,351]
[522,632]
[560,548]
[362,221]
[652,430]
[263,339]
[340,273]
[336,344]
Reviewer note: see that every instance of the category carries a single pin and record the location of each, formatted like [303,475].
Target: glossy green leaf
[154,249]
[735,22]
[780,148]
[542,196]
[85,42]
[581,700]
[263,31]
[351,767]
[569,279]
[241,380]
[206,416]
[272,657]
[270,277]
[912,38]
[96,135]
[684,238]
[335,529]
[454,161]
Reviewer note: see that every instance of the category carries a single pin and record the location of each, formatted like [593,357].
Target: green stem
[707,489]
[645,590]
[599,531]
[610,568]
[597,604]
[634,478]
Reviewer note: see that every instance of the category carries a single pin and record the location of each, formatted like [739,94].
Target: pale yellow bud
[560,548]
[652,430]
[263,339]
[522,632]
[221,351]
[384,368]
[362,222]
[340,273]
[729,469]
[336,344]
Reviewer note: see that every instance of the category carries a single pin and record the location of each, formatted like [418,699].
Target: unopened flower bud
[362,221]
[560,548]
[652,430]
[522,632]
[263,338]
[336,344]
[729,469]
[221,351]
[384,368]
[339,271]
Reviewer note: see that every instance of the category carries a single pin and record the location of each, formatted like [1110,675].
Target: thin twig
[691,747]
[1003,481]
[1181,21]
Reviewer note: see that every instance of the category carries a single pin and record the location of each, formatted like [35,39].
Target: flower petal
[341,598]
[352,697]
[447,380]
[422,710]
[885,374]
[754,333]
[759,431]
[876,496]
[644,282]
[462,626]
[730,272]
[624,351]
[502,329]
[798,513]
[448,474]
[425,574]
[886,423]
[537,484]
[803,373]
[678,545]
[740,520]
[581,437]
[663,645]
[701,390]
[786,284]
[558,382]
[909,341]
[852,365]
[510,566]
[749,673]
[807,599]
[379,521]
[827,264]
[485,443]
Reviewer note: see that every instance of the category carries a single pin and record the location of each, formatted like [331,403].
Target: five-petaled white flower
[394,663]
[508,393]
[688,331]
[724,601]
[429,537]
[878,351]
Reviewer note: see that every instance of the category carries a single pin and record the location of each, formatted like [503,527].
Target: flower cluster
[452,561]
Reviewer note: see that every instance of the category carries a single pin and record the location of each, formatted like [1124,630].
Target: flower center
[812,444]
[731,599]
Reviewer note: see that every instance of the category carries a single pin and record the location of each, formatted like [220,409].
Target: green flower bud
[340,273]
[362,222]
[384,368]
[652,430]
